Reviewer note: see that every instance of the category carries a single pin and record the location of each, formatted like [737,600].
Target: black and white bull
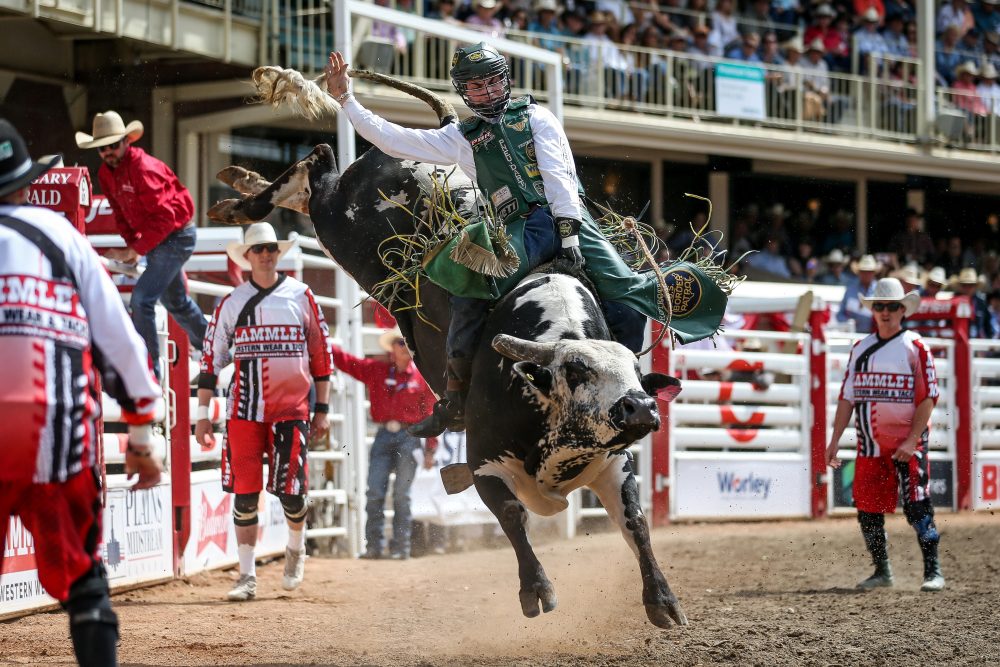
[553,402]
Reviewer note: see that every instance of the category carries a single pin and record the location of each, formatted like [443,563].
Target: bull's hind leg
[619,494]
[290,190]
[510,512]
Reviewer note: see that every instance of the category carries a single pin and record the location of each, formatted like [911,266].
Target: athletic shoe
[933,583]
[295,569]
[245,589]
[400,555]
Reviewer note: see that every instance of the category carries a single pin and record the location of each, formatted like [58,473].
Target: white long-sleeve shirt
[448,146]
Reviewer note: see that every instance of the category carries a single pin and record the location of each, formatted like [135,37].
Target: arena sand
[766,594]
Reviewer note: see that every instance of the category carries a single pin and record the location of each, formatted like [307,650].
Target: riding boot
[933,579]
[881,578]
[873,531]
[449,412]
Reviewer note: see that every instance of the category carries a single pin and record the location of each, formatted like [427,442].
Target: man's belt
[393,426]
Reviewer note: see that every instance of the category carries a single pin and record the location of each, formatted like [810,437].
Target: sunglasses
[264,247]
[891,307]
[110,147]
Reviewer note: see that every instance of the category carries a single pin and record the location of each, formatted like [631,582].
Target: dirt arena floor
[755,594]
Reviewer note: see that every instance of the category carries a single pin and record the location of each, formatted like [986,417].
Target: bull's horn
[519,349]
[442,107]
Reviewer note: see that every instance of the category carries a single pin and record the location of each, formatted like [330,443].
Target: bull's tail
[277,86]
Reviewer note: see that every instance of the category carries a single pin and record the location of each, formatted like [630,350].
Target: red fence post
[180,442]
[817,399]
[659,476]
[963,406]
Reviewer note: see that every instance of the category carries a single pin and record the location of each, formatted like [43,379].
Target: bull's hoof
[242,180]
[540,592]
[661,615]
[227,212]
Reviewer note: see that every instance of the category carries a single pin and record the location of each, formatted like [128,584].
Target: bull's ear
[538,377]
[662,386]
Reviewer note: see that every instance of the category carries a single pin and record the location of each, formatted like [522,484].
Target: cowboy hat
[968,67]
[909,274]
[545,6]
[795,44]
[968,276]
[989,71]
[866,263]
[256,234]
[938,276]
[825,10]
[817,45]
[836,256]
[109,128]
[388,337]
[890,289]
[17,169]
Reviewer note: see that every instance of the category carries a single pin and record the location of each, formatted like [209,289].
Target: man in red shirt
[153,212]
[399,397]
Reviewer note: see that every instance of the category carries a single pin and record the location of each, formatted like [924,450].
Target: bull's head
[591,389]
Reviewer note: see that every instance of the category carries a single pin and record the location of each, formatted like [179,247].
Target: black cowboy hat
[17,169]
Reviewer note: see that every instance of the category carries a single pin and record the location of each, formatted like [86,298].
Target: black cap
[17,169]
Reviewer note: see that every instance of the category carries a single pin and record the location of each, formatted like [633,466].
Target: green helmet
[483,65]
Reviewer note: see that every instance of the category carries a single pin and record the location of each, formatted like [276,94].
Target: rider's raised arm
[445,146]
[555,162]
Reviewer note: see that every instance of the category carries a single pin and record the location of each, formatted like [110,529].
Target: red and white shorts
[65,520]
[879,479]
[243,453]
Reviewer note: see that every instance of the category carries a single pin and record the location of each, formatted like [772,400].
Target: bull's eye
[576,373]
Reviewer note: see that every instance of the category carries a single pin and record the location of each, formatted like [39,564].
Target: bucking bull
[554,403]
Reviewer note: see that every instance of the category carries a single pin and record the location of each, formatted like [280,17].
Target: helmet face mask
[481,76]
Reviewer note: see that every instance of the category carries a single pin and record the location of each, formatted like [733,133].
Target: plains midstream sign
[739,91]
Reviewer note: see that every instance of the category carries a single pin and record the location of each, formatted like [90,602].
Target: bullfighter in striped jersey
[891,381]
[61,322]
[274,332]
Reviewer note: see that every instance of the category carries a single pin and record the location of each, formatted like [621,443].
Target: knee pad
[920,515]
[89,600]
[245,509]
[294,506]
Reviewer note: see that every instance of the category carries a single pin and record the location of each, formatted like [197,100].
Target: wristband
[342,98]
[141,435]
[571,241]
[567,227]
[321,407]
[201,413]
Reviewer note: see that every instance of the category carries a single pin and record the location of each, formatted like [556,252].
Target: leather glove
[569,233]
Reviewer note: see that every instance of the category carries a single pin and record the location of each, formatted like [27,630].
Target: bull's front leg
[618,492]
[513,517]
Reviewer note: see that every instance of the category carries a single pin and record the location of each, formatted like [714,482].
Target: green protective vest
[506,166]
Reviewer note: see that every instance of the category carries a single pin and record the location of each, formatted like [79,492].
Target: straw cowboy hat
[836,256]
[17,169]
[109,128]
[968,67]
[909,274]
[989,71]
[256,234]
[937,275]
[866,263]
[817,45]
[968,276]
[388,337]
[890,289]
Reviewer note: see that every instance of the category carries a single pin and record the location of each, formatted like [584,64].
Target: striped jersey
[277,338]
[62,322]
[886,380]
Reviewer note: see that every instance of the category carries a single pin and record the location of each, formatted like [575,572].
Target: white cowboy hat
[109,128]
[867,263]
[836,256]
[968,276]
[968,67]
[989,71]
[910,274]
[937,275]
[817,45]
[256,234]
[388,337]
[890,289]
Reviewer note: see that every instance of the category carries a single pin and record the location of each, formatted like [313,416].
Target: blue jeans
[163,281]
[390,452]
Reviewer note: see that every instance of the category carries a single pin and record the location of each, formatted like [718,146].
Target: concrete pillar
[861,219]
[718,192]
[656,195]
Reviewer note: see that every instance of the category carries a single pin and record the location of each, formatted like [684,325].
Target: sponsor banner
[19,585]
[138,546]
[138,535]
[428,499]
[212,543]
[739,91]
[941,484]
[987,481]
[740,488]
